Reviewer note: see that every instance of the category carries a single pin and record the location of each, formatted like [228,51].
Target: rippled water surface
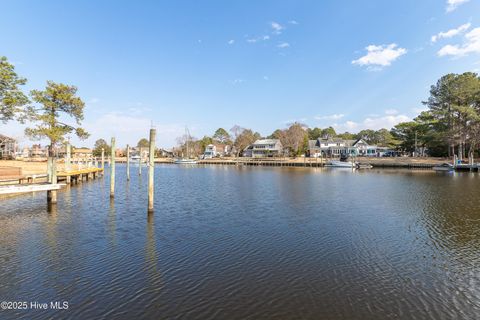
[249,243]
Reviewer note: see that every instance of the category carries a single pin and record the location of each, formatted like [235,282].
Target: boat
[364,166]
[340,164]
[444,167]
[186,160]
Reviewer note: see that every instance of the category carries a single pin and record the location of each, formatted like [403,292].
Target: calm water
[249,243]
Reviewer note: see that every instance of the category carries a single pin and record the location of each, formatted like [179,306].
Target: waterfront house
[163,153]
[331,147]
[266,148]
[36,151]
[247,152]
[216,150]
[8,147]
[210,151]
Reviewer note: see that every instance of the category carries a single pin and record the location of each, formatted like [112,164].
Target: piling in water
[140,161]
[151,169]
[128,162]
[103,160]
[68,165]
[52,178]
[112,170]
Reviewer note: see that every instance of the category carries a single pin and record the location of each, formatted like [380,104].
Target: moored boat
[364,166]
[444,167]
[185,161]
[340,164]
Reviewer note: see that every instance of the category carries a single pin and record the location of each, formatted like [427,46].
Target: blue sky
[258,64]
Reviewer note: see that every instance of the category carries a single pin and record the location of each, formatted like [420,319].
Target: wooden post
[112,170]
[128,162]
[151,170]
[103,161]
[140,161]
[52,176]
[68,165]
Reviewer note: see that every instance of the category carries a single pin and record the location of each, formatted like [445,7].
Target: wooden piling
[128,162]
[68,165]
[52,178]
[151,169]
[140,161]
[112,170]
[103,160]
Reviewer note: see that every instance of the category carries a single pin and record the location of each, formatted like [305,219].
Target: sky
[258,64]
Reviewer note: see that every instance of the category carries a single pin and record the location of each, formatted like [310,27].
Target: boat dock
[79,175]
[24,188]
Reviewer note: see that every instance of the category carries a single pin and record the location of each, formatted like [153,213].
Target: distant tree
[315,133]
[295,139]
[57,102]
[405,133]
[143,143]
[222,136]
[275,134]
[12,99]
[97,149]
[347,136]
[245,138]
[204,142]
[329,133]
[384,138]
[368,135]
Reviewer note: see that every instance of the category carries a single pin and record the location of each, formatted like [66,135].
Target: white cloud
[266,78]
[237,81]
[277,27]
[374,123]
[231,41]
[391,111]
[382,55]
[454,4]
[283,45]
[293,22]
[257,39]
[331,117]
[471,44]
[451,33]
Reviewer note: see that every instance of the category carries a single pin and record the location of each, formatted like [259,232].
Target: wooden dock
[79,175]
[24,188]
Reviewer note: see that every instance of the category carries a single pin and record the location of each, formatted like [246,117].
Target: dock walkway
[24,188]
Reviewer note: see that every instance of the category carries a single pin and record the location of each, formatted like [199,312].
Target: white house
[216,150]
[336,147]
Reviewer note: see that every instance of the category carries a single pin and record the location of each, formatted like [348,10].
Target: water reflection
[239,242]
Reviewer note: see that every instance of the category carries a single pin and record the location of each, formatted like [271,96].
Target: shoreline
[40,167]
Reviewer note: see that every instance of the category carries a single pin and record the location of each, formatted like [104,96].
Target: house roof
[5,138]
[266,141]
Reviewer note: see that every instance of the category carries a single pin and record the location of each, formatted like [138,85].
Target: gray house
[266,148]
[8,147]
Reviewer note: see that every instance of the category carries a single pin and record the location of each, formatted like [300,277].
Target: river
[231,242]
